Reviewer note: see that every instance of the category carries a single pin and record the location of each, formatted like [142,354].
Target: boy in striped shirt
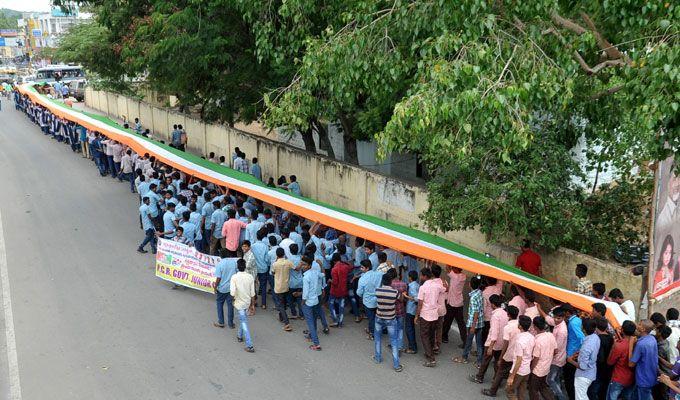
[386,318]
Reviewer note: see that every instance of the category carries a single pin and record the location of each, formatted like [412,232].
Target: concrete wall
[354,188]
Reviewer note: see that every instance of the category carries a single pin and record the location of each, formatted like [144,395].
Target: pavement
[91,320]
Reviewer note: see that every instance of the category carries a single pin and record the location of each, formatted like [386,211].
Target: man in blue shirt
[575,338]
[154,198]
[195,218]
[255,169]
[253,227]
[411,307]
[260,250]
[586,361]
[294,186]
[645,360]
[147,226]
[224,270]
[372,255]
[168,222]
[369,281]
[311,290]
[295,281]
[188,227]
[216,221]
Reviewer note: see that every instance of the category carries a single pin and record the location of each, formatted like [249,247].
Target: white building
[45,29]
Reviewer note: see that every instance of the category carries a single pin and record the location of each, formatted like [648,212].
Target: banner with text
[183,265]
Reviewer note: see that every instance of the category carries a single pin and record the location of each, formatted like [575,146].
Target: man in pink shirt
[494,341]
[545,347]
[426,314]
[523,351]
[441,306]
[554,380]
[491,286]
[510,331]
[231,230]
[517,300]
[454,305]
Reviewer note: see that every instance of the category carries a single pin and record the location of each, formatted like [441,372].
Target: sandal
[429,364]
[487,392]
[474,379]
[409,351]
[250,349]
[399,368]
[460,360]
[218,325]
[287,328]
[315,347]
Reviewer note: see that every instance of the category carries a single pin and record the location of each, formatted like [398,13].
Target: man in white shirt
[673,322]
[126,171]
[627,306]
[242,290]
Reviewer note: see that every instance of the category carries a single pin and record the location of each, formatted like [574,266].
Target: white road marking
[12,360]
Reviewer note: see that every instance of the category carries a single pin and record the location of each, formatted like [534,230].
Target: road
[92,321]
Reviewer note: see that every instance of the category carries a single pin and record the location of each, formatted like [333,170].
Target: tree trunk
[308,139]
[324,140]
[350,143]
[351,154]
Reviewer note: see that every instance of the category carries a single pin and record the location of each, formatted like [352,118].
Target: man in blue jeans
[242,290]
[411,307]
[311,290]
[260,249]
[147,226]
[475,323]
[622,383]
[369,281]
[386,317]
[645,360]
[224,270]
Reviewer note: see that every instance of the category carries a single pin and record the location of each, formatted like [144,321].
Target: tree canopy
[8,18]
[493,96]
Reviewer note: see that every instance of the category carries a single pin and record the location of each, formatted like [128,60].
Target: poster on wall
[664,274]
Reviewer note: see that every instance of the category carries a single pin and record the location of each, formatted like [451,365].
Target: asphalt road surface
[91,321]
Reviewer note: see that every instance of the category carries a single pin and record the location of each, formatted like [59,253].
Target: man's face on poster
[674,187]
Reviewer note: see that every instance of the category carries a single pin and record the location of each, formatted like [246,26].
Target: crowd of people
[531,345]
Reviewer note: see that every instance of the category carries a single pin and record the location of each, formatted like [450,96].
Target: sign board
[8,32]
[60,12]
[36,32]
[2,42]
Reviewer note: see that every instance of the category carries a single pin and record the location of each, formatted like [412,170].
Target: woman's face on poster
[667,255]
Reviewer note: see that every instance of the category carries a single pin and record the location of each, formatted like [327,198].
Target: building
[43,30]
[10,44]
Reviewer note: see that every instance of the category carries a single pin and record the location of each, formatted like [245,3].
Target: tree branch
[568,24]
[594,70]
[607,92]
[612,52]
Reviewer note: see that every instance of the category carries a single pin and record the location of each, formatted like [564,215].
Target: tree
[201,52]
[88,44]
[8,18]
[494,96]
